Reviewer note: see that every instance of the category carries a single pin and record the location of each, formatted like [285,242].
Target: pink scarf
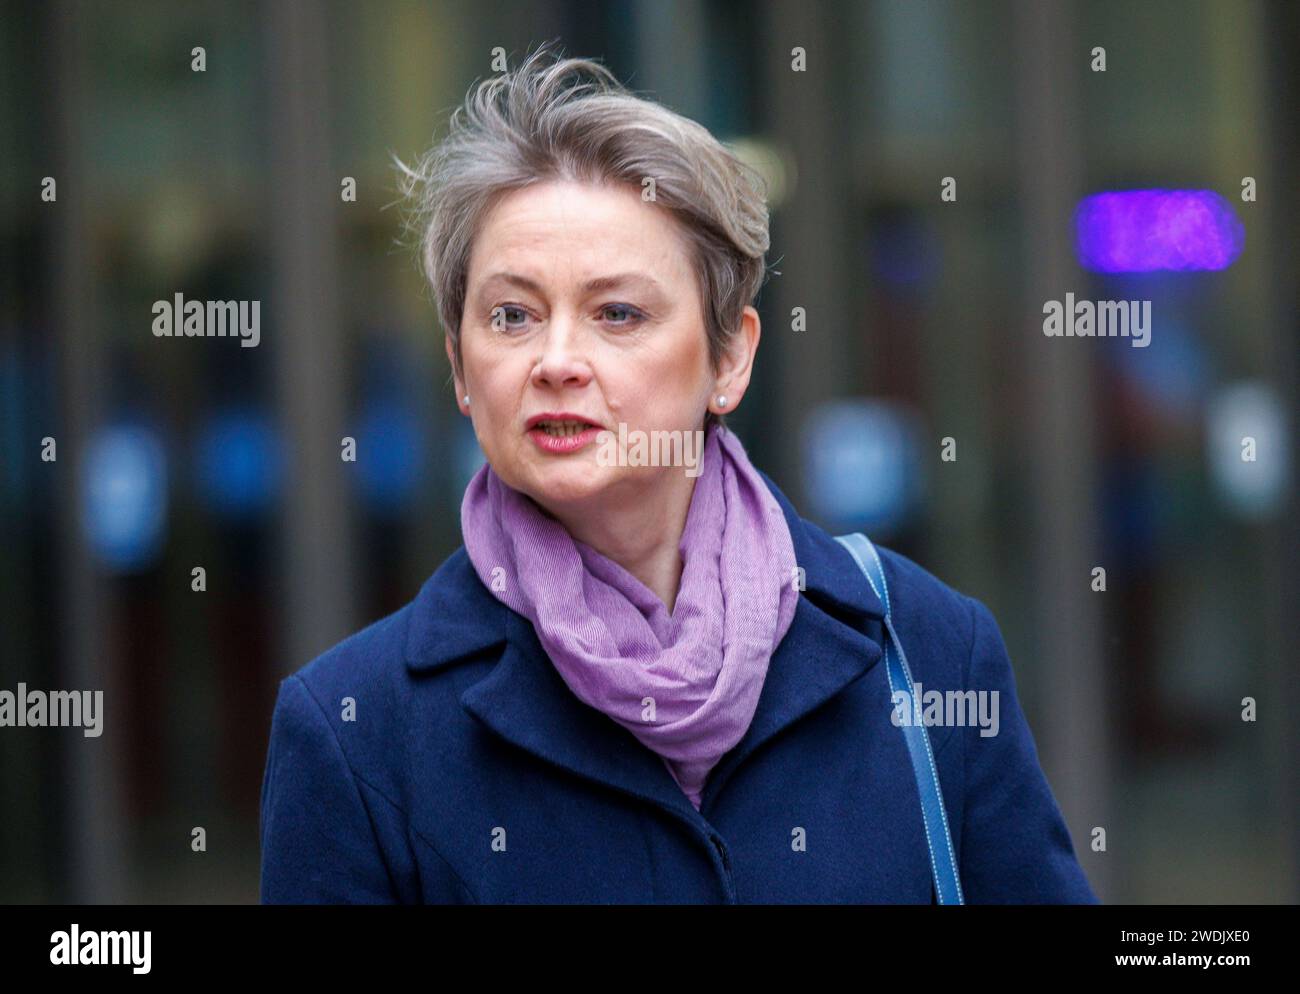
[685,684]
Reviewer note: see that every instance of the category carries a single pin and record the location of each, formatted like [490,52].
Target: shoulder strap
[947,884]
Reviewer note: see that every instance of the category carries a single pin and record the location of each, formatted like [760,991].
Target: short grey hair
[571,119]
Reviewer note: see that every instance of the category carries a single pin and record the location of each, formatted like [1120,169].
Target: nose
[562,361]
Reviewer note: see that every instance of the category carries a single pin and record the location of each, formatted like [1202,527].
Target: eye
[625,315]
[508,317]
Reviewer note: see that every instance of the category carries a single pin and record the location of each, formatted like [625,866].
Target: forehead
[580,232]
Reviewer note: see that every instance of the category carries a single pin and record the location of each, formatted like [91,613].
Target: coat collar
[525,701]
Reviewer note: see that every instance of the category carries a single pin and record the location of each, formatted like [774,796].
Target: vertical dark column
[806,116]
[670,47]
[305,334]
[1068,619]
[1282,25]
[93,828]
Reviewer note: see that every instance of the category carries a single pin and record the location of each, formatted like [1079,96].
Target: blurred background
[923,341]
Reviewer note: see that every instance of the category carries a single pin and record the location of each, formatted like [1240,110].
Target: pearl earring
[467,400]
[722,400]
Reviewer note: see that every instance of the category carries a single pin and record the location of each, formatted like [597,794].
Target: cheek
[491,378]
[686,368]
[664,385]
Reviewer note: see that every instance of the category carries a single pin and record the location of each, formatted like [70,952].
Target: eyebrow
[596,285]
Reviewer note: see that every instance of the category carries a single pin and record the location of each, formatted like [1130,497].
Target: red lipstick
[562,432]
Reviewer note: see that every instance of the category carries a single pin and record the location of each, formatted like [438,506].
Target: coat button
[717,844]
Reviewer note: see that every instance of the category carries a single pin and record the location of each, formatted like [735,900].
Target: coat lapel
[825,649]
[524,700]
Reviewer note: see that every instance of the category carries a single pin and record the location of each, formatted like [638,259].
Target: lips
[563,429]
[562,433]
[560,424]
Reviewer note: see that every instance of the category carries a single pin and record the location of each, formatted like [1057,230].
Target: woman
[641,679]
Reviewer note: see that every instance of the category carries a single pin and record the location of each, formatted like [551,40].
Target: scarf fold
[700,669]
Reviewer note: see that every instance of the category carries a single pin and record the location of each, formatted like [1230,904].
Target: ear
[460,385]
[737,362]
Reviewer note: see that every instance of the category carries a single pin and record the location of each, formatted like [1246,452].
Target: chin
[573,483]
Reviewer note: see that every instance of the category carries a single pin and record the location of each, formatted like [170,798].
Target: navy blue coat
[470,773]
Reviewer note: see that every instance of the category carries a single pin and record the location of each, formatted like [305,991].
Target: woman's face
[581,300]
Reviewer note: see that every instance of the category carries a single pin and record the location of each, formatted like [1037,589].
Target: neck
[641,533]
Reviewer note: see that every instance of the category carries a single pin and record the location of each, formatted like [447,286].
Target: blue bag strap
[947,884]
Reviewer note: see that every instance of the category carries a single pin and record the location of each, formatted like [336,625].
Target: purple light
[1143,231]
